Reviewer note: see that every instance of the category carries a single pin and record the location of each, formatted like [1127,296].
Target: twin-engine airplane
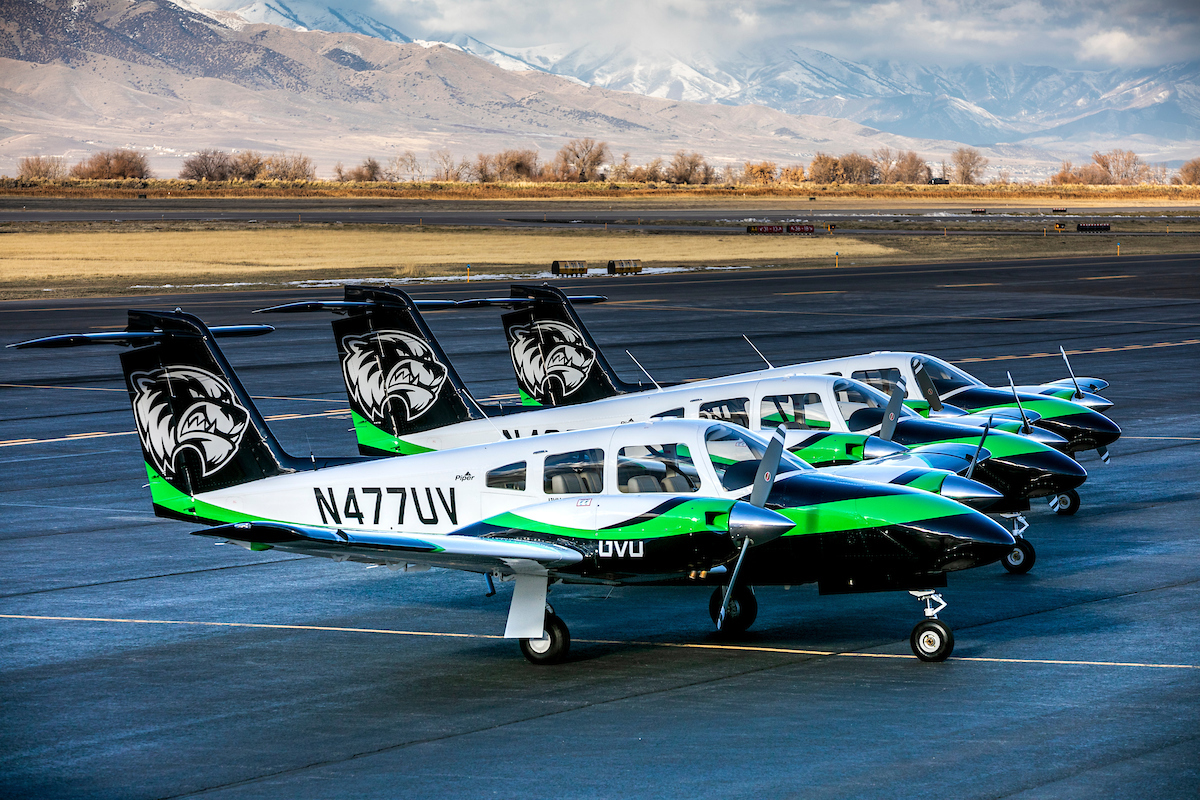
[670,502]
[405,397]
[933,387]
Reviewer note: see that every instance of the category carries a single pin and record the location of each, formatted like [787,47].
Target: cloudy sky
[1094,34]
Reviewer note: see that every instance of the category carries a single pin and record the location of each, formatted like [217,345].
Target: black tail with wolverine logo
[198,428]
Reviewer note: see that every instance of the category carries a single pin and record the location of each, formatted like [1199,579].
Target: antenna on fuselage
[760,355]
[644,372]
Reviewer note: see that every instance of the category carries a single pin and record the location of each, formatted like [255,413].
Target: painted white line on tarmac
[676,645]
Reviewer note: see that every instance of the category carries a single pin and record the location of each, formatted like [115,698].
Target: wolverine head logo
[391,368]
[187,409]
[550,357]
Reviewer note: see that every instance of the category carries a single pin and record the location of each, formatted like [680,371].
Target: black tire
[1068,503]
[552,647]
[1020,559]
[742,612]
[932,640]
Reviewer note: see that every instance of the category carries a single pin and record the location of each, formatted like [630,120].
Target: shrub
[761,173]
[825,169]
[207,165]
[1189,173]
[288,167]
[111,164]
[44,168]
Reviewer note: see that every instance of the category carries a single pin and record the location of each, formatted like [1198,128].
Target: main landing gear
[554,644]
[931,639]
[742,611]
[1065,504]
[1020,559]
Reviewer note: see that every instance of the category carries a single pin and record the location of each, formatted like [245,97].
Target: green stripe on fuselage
[377,439]
[870,512]
[691,516]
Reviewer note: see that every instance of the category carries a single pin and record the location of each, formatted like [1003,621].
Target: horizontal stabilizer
[346,306]
[134,338]
[526,302]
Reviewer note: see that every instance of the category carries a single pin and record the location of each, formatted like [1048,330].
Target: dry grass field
[98,259]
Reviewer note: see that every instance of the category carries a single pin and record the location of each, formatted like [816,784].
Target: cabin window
[669,414]
[800,412]
[731,410]
[656,468]
[577,472]
[859,406]
[510,476]
[882,379]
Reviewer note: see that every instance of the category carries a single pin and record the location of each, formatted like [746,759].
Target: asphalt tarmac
[138,661]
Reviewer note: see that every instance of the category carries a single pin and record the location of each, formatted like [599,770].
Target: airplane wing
[468,553]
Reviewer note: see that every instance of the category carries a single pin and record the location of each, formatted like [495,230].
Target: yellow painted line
[1107,277]
[964,285]
[75,437]
[102,389]
[676,645]
[1156,345]
[630,302]
[787,294]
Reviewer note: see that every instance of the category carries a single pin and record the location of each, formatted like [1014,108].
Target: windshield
[861,406]
[945,377]
[735,456]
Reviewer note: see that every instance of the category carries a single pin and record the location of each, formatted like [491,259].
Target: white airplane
[658,502]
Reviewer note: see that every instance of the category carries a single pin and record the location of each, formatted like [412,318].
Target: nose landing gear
[741,613]
[1065,504]
[931,639]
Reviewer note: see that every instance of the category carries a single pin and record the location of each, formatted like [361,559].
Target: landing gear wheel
[742,611]
[1068,503]
[932,640]
[1020,559]
[552,647]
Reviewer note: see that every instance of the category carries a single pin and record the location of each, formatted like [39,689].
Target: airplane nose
[1046,437]
[968,540]
[1093,401]
[874,447]
[1086,430]
[1047,472]
[968,492]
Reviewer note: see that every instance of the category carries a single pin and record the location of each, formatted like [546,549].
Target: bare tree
[731,174]
[446,168]
[969,165]
[911,168]
[857,168]
[1189,173]
[885,163]
[110,164]
[246,165]
[793,174]
[825,168]
[623,169]
[405,165]
[207,165]
[42,168]
[686,168]
[580,160]
[650,173]
[288,167]
[518,165]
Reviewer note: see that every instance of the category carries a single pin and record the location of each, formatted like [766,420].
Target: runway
[138,661]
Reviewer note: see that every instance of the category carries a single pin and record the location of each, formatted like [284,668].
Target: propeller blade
[1078,392]
[891,414]
[1025,426]
[765,478]
[925,384]
[975,458]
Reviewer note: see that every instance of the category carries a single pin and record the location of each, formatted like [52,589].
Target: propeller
[1078,392]
[1026,428]
[891,414]
[925,384]
[975,458]
[750,523]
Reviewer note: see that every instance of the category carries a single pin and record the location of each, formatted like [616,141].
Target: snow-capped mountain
[978,105]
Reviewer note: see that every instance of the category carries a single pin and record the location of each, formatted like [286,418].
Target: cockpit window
[656,468]
[947,378]
[800,412]
[861,406]
[882,379]
[731,410]
[735,456]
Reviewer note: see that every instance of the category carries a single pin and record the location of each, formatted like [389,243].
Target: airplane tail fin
[197,425]
[398,379]
[556,360]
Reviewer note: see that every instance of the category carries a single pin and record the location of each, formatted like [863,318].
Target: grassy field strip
[144,259]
